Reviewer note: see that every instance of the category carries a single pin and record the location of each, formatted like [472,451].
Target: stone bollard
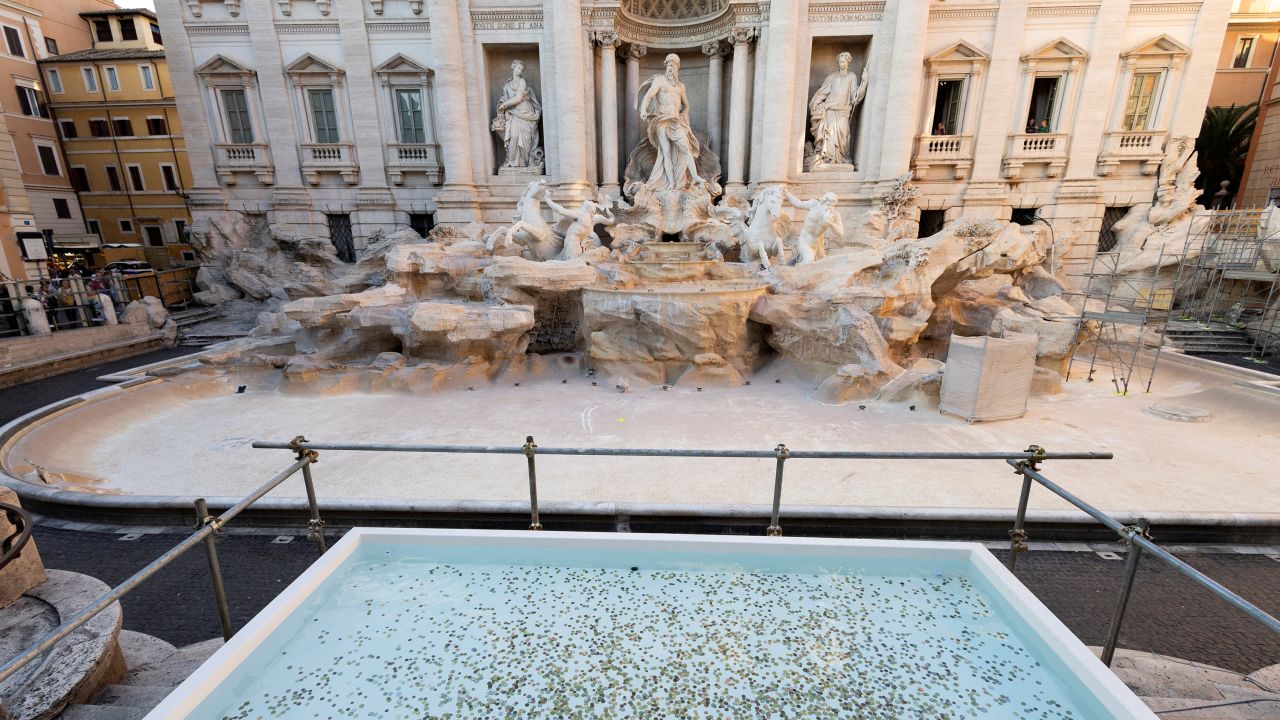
[33,313]
[108,309]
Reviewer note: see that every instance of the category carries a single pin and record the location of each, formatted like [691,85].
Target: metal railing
[1026,463]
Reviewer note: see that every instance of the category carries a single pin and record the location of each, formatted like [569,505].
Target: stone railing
[1144,146]
[233,158]
[329,157]
[1041,148]
[955,151]
[414,158]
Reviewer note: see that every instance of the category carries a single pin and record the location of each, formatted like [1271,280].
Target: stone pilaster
[607,53]
[714,50]
[277,99]
[902,96]
[1099,91]
[456,201]
[569,167]
[787,22]
[195,121]
[739,109]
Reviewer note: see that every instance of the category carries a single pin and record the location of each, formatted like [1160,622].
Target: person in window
[1032,125]
[940,129]
[1044,127]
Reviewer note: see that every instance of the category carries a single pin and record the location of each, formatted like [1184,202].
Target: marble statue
[664,105]
[766,227]
[831,113]
[821,219]
[517,124]
[530,230]
[579,237]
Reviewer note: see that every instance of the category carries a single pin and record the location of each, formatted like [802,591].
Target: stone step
[138,696]
[1192,709]
[174,669]
[102,712]
[141,650]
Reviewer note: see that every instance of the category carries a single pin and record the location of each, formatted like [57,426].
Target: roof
[121,11]
[106,54]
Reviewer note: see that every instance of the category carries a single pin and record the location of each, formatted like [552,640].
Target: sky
[148,4]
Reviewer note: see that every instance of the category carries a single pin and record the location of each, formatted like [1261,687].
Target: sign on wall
[32,246]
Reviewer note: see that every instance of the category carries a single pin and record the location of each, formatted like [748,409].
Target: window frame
[62,129]
[69,216]
[115,129]
[173,173]
[111,76]
[162,119]
[115,180]
[93,226]
[98,25]
[8,46]
[106,122]
[51,45]
[333,132]
[1153,103]
[147,74]
[54,80]
[138,184]
[84,172]
[126,226]
[225,115]
[132,24]
[396,92]
[53,151]
[1235,53]
[31,97]
[89,76]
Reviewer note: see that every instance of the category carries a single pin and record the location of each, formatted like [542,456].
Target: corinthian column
[608,58]
[714,81]
[634,53]
[739,86]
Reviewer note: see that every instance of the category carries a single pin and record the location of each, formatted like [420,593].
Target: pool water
[420,631]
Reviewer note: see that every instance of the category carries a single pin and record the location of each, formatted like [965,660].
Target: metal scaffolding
[1124,315]
[1233,283]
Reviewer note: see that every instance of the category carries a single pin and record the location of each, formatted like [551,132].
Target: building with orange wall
[31,30]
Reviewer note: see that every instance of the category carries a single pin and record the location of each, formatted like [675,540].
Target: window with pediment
[407,102]
[1147,73]
[1050,84]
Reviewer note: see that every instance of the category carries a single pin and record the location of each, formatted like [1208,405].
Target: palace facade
[345,118]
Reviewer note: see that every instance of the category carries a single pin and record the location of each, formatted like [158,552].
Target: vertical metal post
[1130,573]
[775,526]
[1018,535]
[535,522]
[215,570]
[315,525]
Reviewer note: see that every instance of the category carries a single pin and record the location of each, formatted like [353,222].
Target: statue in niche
[820,219]
[664,105]
[517,125]
[831,115]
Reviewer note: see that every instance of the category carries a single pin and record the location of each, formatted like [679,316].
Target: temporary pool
[467,624]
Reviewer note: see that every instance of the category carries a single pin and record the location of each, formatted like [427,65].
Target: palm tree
[1222,147]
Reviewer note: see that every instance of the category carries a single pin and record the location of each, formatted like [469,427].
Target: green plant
[1222,147]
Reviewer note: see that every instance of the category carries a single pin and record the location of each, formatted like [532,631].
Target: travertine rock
[461,331]
[920,383]
[710,370]
[432,269]
[518,280]
[663,329]
[148,309]
[1055,337]
[814,331]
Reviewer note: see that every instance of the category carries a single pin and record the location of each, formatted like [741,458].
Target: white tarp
[988,378]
